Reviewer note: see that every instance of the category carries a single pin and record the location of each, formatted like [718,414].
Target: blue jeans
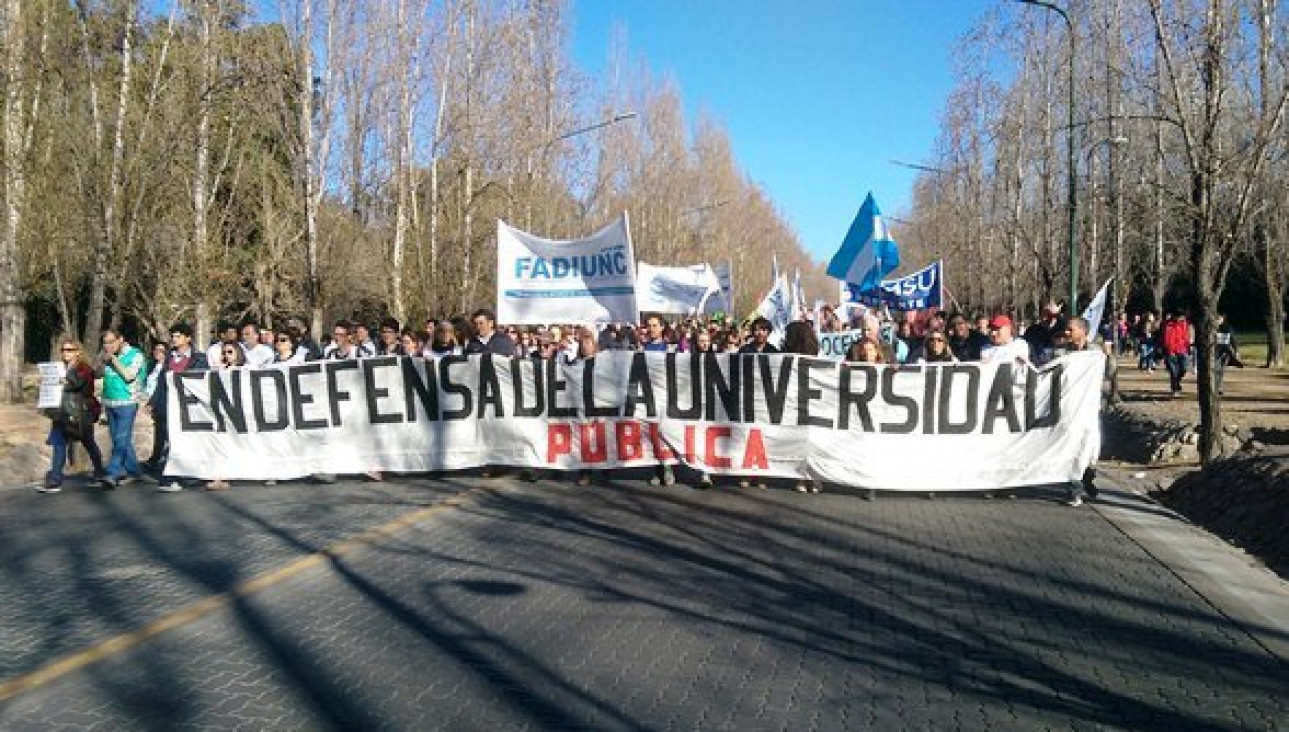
[120,425]
[58,440]
[1145,355]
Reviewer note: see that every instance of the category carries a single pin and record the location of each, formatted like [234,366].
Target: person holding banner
[342,345]
[865,350]
[1077,340]
[444,342]
[487,339]
[799,338]
[232,356]
[587,347]
[286,348]
[760,343]
[936,349]
[656,335]
[965,342]
[1003,346]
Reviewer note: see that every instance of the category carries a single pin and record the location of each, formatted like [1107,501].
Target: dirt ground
[1255,398]
[1244,499]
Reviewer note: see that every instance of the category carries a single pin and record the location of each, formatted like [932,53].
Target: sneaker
[171,487]
[816,487]
[107,484]
[655,481]
[270,483]
[705,482]
[870,495]
[668,477]
[149,478]
[1075,501]
[744,483]
[128,480]
[801,488]
[49,488]
[584,479]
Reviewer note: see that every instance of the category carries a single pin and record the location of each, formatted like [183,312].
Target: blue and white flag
[918,291]
[868,253]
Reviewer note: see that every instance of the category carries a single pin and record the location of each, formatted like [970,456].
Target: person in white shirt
[258,355]
[1004,346]
[342,343]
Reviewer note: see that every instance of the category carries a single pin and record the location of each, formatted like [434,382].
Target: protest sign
[51,384]
[566,281]
[833,346]
[989,425]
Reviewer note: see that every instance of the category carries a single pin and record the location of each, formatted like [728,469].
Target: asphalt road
[472,604]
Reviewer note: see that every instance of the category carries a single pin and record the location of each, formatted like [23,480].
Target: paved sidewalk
[632,608]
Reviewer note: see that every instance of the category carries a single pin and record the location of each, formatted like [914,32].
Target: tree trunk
[12,310]
[108,240]
[1273,272]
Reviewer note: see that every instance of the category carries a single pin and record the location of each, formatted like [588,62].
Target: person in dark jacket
[487,339]
[965,343]
[183,357]
[760,342]
[74,419]
[1228,352]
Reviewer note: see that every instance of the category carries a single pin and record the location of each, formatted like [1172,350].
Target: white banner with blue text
[589,280]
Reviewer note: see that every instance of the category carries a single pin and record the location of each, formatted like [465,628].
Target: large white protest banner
[677,290]
[566,281]
[865,425]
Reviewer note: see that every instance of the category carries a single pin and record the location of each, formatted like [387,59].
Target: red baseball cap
[1000,321]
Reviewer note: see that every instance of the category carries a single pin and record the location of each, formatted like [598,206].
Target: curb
[1234,583]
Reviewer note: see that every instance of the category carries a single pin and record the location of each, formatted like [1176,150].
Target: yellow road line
[201,608]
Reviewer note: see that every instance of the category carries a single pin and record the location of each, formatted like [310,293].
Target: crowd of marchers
[122,377]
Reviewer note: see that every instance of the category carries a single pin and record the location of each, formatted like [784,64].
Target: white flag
[777,308]
[677,290]
[1096,310]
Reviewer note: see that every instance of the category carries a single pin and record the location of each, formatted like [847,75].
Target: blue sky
[818,96]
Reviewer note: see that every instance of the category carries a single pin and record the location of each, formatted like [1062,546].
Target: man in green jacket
[122,369]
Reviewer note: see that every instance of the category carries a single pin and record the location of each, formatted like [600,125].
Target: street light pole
[528,204]
[1072,184]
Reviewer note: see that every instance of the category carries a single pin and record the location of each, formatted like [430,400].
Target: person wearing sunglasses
[286,348]
[73,419]
[935,349]
[233,357]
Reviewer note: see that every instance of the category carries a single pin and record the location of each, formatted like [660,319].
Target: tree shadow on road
[624,607]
